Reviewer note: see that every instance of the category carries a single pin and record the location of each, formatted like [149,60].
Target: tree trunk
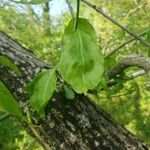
[69,124]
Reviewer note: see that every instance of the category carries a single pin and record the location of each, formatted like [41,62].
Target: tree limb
[132,60]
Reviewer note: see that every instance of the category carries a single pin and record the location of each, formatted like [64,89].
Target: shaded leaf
[69,93]
[8,102]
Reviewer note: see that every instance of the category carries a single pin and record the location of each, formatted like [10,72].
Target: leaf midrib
[81,54]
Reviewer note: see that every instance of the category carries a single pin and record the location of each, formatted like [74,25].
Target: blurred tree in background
[35,28]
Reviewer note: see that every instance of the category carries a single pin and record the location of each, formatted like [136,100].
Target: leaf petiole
[77,14]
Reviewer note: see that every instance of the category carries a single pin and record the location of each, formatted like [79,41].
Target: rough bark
[69,124]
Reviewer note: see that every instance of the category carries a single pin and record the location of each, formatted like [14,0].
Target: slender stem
[124,44]
[100,11]
[77,14]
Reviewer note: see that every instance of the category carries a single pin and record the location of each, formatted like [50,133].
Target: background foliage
[129,102]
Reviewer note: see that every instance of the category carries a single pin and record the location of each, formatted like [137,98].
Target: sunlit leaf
[41,89]
[8,102]
[81,62]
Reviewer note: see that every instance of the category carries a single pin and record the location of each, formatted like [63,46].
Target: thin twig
[124,44]
[135,75]
[115,96]
[132,76]
[33,13]
[99,10]
[70,9]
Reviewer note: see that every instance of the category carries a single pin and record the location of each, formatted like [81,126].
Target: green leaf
[7,63]
[31,1]
[41,89]
[81,62]
[69,93]
[8,102]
